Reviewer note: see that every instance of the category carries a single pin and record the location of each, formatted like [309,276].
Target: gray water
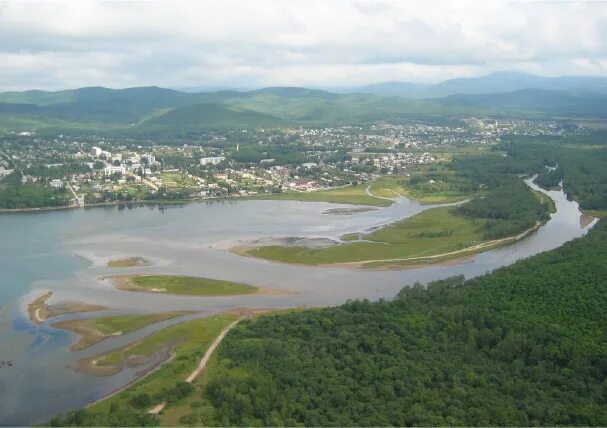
[66,252]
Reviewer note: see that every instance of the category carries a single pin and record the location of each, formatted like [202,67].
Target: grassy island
[128,262]
[182,285]
[94,330]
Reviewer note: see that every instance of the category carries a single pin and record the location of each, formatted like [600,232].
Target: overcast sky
[324,43]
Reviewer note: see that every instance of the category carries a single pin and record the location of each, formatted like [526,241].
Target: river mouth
[190,241]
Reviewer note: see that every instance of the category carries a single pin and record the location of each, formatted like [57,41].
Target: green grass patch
[176,181]
[128,262]
[185,285]
[424,191]
[343,195]
[127,323]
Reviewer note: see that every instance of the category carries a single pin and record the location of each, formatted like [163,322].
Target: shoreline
[259,197]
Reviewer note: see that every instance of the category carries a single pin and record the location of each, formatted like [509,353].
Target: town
[66,170]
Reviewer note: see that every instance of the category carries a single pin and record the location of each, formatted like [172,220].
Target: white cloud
[61,44]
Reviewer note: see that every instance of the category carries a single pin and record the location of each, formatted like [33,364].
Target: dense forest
[581,164]
[525,345]
[510,209]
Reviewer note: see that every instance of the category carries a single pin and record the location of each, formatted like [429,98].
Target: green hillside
[555,103]
[152,109]
[208,116]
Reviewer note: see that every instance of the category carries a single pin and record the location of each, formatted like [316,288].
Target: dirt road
[210,351]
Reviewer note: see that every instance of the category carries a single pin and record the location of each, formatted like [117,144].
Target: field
[94,330]
[182,285]
[439,192]
[344,195]
[432,232]
[176,181]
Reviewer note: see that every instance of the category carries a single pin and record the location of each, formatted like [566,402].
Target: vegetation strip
[201,365]
[94,330]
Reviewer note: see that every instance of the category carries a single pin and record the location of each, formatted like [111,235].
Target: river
[66,252]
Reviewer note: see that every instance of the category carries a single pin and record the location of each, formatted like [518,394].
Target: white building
[151,160]
[4,172]
[57,184]
[97,151]
[111,169]
[212,160]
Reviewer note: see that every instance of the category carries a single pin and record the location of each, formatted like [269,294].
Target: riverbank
[336,195]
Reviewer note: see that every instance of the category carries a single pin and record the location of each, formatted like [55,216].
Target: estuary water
[66,252]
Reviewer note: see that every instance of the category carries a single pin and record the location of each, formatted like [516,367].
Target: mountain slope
[557,103]
[198,117]
[499,82]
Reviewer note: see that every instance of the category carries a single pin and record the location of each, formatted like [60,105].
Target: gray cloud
[63,44]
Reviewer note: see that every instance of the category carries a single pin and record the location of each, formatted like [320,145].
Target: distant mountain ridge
[492,83]
[160,110]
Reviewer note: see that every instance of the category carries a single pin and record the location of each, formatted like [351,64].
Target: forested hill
[525,345]
[152,110]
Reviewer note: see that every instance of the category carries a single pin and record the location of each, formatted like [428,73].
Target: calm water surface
[66,251]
